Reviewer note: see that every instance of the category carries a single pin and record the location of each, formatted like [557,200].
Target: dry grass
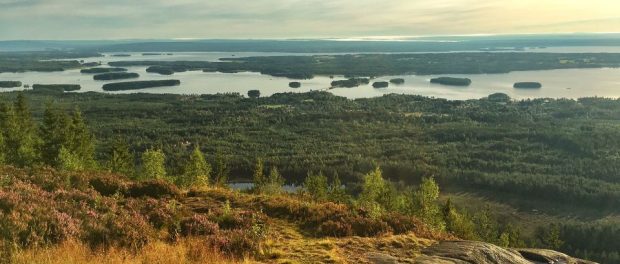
[184,252]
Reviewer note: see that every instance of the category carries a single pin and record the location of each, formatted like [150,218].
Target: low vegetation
[122,86]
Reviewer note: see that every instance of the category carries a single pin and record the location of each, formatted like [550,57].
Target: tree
[122,160]
[258,176]
[197,170]
[20,135]
[221,170]
[373,188]
[82,142]
[275,182]
[153,164]
[550,237]
[254,93]
[316,185]
[425,203]
[457,223]
[337,192]
[55,134]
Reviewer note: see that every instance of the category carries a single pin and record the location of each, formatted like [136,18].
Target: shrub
[198,225]
[154,189]
[236,242]
[108,185]
[335,229]
[368,227]
[401,224]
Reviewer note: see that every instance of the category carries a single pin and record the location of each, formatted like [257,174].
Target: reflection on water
[569,83]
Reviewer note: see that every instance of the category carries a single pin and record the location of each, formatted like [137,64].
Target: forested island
[294,84]
[397,81]
[381,84]
[115,76]
[41,61]
[56,87]
[527,85]
[522,154]
[10,84]
[350,83]
[305,67]
[136,85]
[452,81]
[160,70]
[102,70]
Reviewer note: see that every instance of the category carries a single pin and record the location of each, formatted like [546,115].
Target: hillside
[81,217]
[516,174]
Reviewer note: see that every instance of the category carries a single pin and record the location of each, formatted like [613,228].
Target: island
[10,84]
[380,85]
[115,76]
[122,86]
[294,84]
[397,81]
[527,85]
[103,70]
[451,81]
[350,83]
[56,87]
[160,70]
[499,98]
[150,54]
[120,55]
[254,93]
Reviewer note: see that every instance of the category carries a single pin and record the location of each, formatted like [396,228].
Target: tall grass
[186,251]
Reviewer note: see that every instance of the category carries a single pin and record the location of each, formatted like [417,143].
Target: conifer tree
[337,192]
[275,182]
[122,160]
[21,138]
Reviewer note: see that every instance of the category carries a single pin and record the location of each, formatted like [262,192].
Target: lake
[567,83]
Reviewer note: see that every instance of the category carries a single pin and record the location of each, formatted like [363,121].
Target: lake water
[570,83]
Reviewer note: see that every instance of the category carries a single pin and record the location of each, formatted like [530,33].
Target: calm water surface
[571,83]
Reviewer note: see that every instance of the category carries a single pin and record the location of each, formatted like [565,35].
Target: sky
[264,19]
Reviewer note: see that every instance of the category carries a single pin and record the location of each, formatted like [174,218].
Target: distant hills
[422,44]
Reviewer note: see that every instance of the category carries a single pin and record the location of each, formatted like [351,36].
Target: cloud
[99,19]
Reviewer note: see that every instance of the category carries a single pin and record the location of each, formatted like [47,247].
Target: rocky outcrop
[465,252]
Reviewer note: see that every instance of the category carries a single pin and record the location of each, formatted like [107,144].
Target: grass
[71,252]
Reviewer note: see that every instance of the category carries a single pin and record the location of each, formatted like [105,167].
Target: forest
[369,65]
[555,156]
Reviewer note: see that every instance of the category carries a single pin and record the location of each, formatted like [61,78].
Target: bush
[108,185]
[335,229]
[154,189]
[198,225]
[368,227]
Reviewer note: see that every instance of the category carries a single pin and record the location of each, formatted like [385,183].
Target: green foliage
[316,185]
[337,192]
[153,165]
[254,93]
[197,171]
[549,237]
[220,178]
[424,204]
[373,189]
[458,224]
[274,183]
[121,160]
[258,176]
[20,135]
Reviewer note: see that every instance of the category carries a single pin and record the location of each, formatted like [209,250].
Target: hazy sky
[122,19]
